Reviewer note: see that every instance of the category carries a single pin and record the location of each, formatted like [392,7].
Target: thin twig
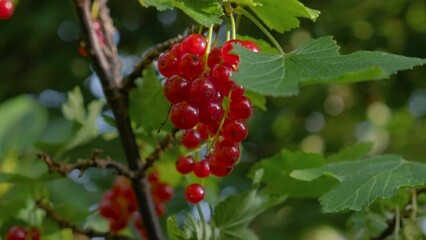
[84,164]
[63,223]
[149,57]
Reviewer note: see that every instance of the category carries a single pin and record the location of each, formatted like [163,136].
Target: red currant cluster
[20,233]
[7,7]
[207,104]
[119,203]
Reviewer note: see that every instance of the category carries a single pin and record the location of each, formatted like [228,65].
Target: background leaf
[205,12]
[281,15]
[363,181]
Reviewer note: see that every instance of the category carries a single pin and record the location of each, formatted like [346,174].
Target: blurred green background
[39,58]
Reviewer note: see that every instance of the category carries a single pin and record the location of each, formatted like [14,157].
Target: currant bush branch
[106,63]
[84,164]
[63,223]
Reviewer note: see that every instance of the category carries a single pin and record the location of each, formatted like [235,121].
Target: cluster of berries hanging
[20,233]
[7,7]
[209,106]
[119,204]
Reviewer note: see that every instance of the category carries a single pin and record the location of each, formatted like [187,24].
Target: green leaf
[277,178]
[173,230]
[159,4]
[257,99]
[366,225]
[22,123]
[73,109]
[351,153]
[205,12]
[148,106]
[281,15]
[316,61]
[363,181]
[234,214]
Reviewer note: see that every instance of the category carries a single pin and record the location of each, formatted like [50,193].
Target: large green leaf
[277,178]
[148,106]
[22,123]
[316,61]
[205,12]
[363,181]
[281,15]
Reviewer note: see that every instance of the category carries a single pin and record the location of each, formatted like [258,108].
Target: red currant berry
[203,129]
[220,76]
[153,177]
[163,192]
[191,66]
[227,153]
[185,165]
[184,115]
[177,50]
[201,169]
[176,89]
[218,168]
[160,209]
[115,225]
[231,58]
[194,43]
[34,233]
[237,91]
[191,139]
[109,209]
[251,46]
[7,7]
[235,131]
[168,64]
[213,112]
[194,193]
[215,57]
[202,91]
[16,233]
[240,108]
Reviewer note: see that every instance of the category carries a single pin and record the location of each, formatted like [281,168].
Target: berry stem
[262,28]
[209,45]
[233,28]
[203,220]
[95,9]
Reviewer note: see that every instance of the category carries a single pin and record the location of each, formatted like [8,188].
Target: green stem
[209,44]
[413,205]
[263,29]
[233,28]
[397,223]
[203,220]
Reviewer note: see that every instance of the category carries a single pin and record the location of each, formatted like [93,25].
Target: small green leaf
[281,15]
[205,12]
[277,178]
[316,61]
[257,99]
[148,106]
[73,109]
[159,4]
[363,181]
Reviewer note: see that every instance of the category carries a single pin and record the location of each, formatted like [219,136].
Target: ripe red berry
[191,139]
[184,115]
[220,76]
[115,225]
[168,64]
[153,177]
[160,209]
[7,7]
[191,66]
[235,131]
[218,168]
[185,165]
[212,112]
[177,50]
[237,91]
[163,192]
[240,108]
[194,193]
[215,57]
[251,46]
[194,43]
[176,89]
[227,153]
[34,233]
[109,209]
[203,129]
[202,91]
[16,233]
[201,169]
[231,58]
